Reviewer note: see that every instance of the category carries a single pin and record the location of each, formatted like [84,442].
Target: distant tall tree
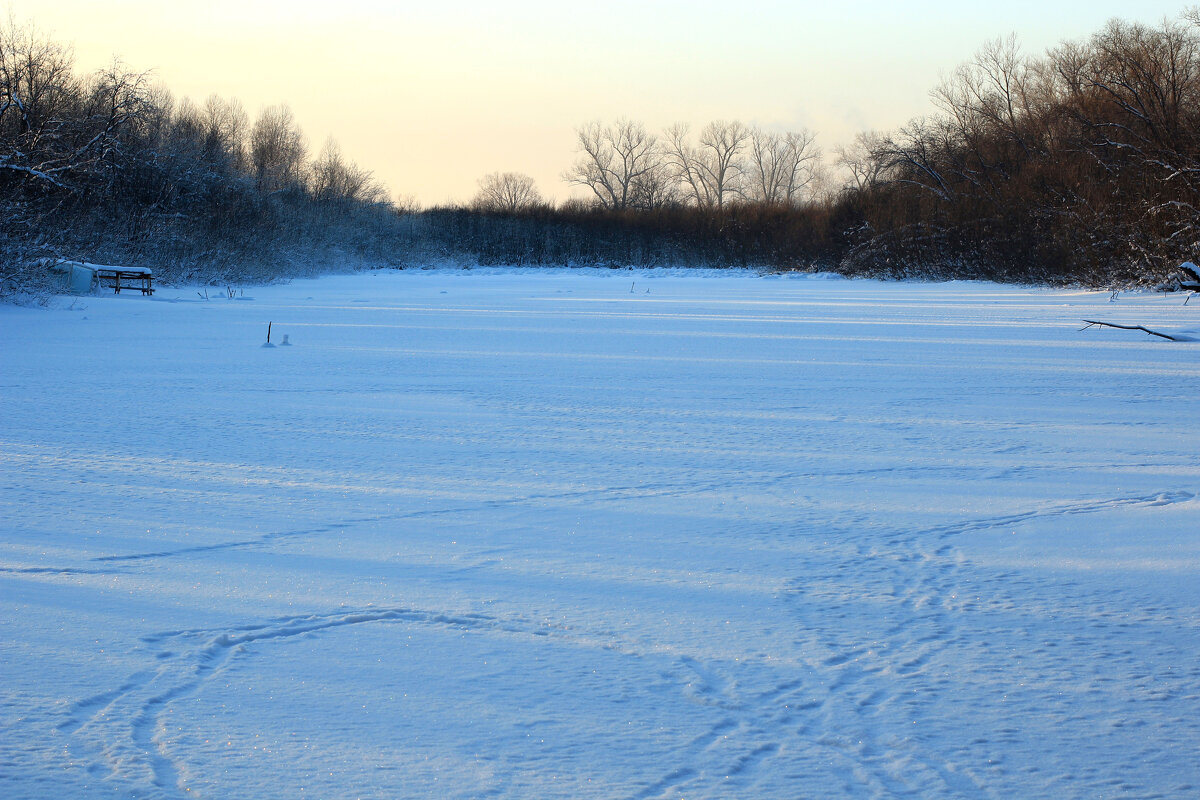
[334,178]
[860,161]
[613,160]
[507,192]
[657,187]
[277,149]
[225,127]
[712,170]
[782,167]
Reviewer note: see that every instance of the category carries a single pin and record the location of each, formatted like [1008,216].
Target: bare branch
[1090,323]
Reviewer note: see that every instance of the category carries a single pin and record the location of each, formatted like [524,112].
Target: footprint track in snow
[917,597]
[122,729]
[123,725]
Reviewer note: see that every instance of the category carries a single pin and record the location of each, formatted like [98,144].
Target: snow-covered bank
[599,535]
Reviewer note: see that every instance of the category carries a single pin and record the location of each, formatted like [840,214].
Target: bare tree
[333,178]
[506,192]
[225,127]
[782,167]
[712,170]
[1144,89]
[988,112]
[657,187]
[160,112]
[406,204]
[277,149]
[613,160]
[106,138]
[1150,76]
[41,139]
[916,156]
[37,78]
[861,160]
[990,94]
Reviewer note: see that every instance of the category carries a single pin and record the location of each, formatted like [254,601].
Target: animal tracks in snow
[125,729]
[122,727]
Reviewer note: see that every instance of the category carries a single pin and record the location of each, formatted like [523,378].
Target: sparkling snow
[599,534]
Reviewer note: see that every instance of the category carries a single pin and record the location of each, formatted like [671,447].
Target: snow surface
[599,534]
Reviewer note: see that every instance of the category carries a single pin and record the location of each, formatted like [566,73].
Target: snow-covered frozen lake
[599,535]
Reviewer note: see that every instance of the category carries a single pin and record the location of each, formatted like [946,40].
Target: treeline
[1081,165]
[110,168]
[1078,166]
[730,195]
[584,235]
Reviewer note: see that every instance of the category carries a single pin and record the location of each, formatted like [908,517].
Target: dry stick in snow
[1091,322]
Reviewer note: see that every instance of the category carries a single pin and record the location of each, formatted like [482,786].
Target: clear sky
[433,95]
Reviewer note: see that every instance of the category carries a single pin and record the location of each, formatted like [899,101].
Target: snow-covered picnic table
[135,278]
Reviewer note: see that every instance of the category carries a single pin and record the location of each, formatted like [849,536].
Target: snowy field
[599,535]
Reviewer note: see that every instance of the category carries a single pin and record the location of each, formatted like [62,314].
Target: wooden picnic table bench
[138,278]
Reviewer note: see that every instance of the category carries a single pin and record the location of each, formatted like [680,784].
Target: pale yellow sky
[433,95]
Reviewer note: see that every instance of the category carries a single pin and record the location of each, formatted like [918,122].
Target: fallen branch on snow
[1091,322]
